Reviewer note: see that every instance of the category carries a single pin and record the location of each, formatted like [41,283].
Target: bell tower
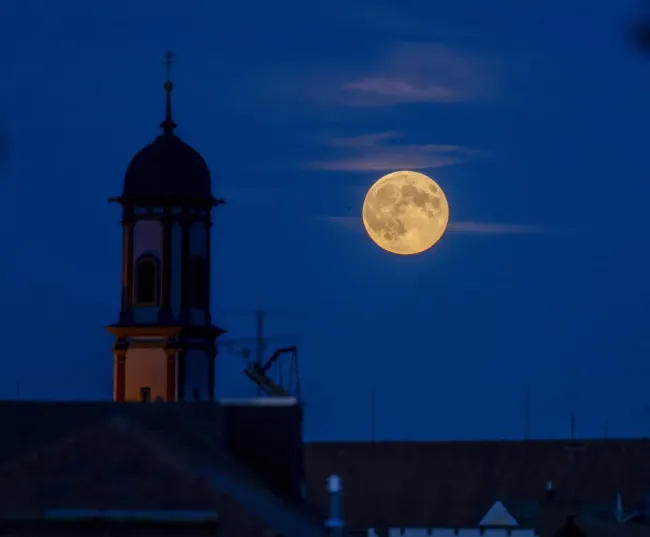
[165,342]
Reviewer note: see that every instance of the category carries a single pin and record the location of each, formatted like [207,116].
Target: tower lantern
[165,342]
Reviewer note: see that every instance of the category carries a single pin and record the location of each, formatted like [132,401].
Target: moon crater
[405,212]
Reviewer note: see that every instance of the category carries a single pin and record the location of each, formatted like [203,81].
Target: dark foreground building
[601,486]
[225,470]
[235,468]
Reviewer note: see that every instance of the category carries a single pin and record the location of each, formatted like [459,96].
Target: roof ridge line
[116,422]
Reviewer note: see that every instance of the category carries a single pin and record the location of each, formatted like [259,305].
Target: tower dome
[167,168]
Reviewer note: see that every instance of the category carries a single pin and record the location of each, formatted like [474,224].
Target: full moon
[405,212]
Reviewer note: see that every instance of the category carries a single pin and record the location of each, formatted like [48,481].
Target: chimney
[619,508]
[550,491]
[334,522]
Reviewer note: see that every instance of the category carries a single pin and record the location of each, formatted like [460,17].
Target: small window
[197,394]
[146,281]
[145,394]
[198,283]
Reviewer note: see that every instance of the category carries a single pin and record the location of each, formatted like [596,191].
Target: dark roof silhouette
[114,464]
[570,529]
[152,458]
[167,168]
[422,484]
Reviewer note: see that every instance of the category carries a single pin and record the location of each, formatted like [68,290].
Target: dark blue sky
[531,116]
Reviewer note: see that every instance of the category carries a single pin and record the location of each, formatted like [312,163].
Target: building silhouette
[165,341]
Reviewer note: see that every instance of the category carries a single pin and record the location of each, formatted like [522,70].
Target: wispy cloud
[354,223]
[405,73]
[417,73]
[376,152]
[492,228]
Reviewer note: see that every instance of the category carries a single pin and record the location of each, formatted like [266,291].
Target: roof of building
[609,529]
[144,457]
[568,519]
[167,168]
[112,465]
[432,484]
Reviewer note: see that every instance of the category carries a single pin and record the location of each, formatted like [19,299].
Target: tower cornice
[125,331]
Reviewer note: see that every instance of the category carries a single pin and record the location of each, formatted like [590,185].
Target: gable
[33,425]
[498,515]
[112,465]
[108,457]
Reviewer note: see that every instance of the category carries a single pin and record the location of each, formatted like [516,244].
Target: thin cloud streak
[419,73]
[491,228]
[369,153]
[396,91]
[354,223]
[387,162]
[407,73]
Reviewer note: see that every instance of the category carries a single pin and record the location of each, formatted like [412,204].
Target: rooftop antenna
[372,416]
[527,412]
[259,314]
[260,267]
[268,374]
[259,336]
[572,446]
[573,382]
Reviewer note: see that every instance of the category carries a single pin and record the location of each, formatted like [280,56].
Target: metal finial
[168,125]
[169,60]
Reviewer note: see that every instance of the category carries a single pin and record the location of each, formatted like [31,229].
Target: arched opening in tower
[147,281]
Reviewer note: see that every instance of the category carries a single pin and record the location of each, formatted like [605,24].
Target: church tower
[165,342]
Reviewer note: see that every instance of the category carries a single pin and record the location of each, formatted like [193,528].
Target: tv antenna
[572,396]
[527,411]
[273,377]
[573,447]
[372,415]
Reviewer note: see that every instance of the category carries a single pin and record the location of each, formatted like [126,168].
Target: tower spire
[168,125]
